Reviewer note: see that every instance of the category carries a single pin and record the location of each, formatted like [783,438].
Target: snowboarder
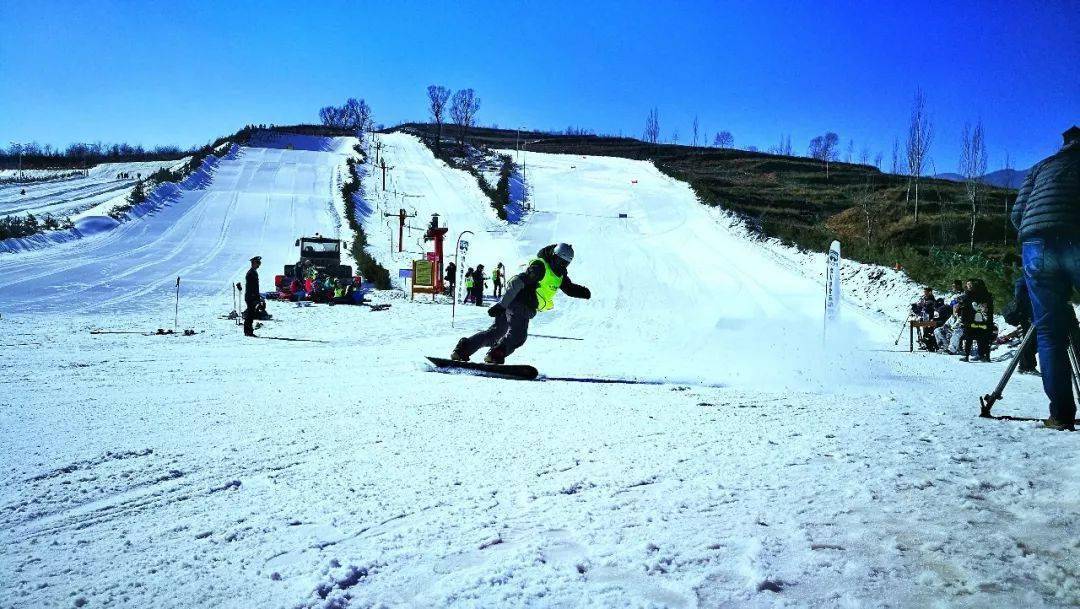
[1047,218]
[251,295]
[497,277]
[530,291]
[479,281]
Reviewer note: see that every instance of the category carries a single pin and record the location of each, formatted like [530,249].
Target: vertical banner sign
[463,249]
[832,283]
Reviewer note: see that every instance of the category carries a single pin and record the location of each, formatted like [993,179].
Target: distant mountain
[1003,178]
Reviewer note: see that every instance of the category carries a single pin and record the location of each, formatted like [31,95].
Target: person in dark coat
[251,295]
[1047,218]
[479,281]
[977,319]
[1018,313]
[450,278]
[498,276]
[531,291]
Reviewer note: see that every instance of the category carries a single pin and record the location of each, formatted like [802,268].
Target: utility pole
[401,215]
[384,168]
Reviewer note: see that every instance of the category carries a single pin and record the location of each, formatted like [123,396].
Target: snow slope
[742,471]
[69,196]
[258,201]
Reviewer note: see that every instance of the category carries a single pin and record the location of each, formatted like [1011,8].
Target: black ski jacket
[977,310]
[1048,204]
[251,287]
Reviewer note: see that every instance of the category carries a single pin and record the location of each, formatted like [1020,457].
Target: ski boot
[458,354]
[495,356]
[1057,425]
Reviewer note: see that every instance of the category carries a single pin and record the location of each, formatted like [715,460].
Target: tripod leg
[987,401]
[1074,359]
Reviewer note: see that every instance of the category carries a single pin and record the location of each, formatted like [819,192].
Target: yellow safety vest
[545,292]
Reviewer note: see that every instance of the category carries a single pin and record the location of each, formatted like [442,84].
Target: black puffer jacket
[1049,201]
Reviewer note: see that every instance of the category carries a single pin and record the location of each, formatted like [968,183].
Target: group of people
[322,288]
[1046,216]
[476,281]
[956,324]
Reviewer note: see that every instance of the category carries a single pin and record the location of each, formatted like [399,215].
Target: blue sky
[186,72]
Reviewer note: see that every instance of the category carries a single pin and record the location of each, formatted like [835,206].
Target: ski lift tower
[437,234]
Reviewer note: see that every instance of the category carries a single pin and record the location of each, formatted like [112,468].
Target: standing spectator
[497,277]
[450,278]
[1047,218]
[479,281]
[977,319]
[251,295]
[469,285]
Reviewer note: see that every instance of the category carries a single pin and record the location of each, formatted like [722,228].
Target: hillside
[1002,178]
[800,201]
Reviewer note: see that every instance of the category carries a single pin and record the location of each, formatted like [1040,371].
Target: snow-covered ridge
[96,220]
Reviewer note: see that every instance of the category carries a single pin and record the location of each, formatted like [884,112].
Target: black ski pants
[249,319]
[981,337]
[1027,356]
[507,332]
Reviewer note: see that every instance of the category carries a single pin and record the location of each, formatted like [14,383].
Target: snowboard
[515,371]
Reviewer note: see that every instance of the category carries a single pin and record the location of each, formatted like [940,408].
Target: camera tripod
[987,401]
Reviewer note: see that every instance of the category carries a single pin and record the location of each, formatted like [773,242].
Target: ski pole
[897,341]
[176,309]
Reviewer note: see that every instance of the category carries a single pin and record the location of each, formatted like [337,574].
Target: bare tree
[973,168]
[1008,186]
[877,159]
[329,116]
[869,202]
[675,136]
[463,108]
[783,147]
[695,142]
[652,127]
[850,156]
[920,135]
[864,156]
[724,139]
[357,115]
[895,167]
[825,148]
[437,98]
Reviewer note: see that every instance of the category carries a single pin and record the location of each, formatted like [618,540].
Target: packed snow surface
[69,195]
[729,456]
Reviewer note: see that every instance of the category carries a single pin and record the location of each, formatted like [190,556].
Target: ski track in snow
[760,471]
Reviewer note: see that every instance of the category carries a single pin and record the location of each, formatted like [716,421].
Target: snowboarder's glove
[585,293]
[496,310]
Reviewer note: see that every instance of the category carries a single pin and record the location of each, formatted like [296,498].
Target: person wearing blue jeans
[1047,218]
